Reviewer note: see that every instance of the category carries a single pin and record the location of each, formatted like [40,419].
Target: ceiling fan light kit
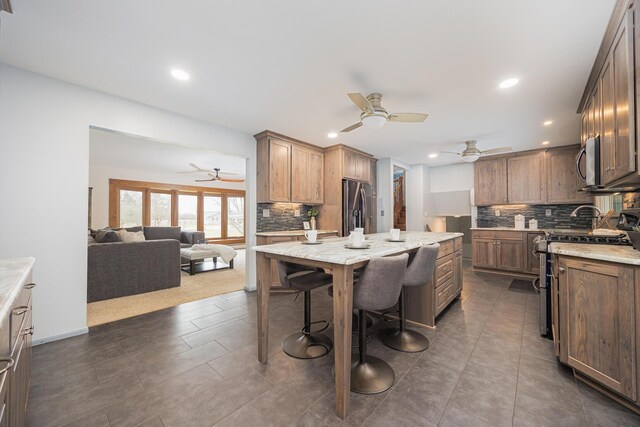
[374,121]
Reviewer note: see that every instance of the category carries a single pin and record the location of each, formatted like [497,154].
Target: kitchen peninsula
[332,256]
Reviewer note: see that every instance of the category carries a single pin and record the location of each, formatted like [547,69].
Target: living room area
[166,225]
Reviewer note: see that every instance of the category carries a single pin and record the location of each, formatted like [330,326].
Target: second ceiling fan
[375,116]
[472,153]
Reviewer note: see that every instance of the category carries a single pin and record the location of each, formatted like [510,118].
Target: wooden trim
[347,148]
[271,134]
[171,187]
[617,16]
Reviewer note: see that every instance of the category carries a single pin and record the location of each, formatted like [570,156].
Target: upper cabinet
[356,165]
[288,170]
[531,177]
[608,102]
[526,178]
[490,181]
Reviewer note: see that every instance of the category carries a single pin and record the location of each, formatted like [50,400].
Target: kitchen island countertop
[292,233]
[611,253]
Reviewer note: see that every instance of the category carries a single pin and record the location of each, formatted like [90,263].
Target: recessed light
[179,74]
[545,142]
[509,83]
[433,155]
[332,135]
[548,123]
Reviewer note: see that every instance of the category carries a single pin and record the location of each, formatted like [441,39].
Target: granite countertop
[291,233]
[333,250]
[541,230]
[612,253]
[13,274]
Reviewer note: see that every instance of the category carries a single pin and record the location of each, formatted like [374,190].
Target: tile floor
[195,365]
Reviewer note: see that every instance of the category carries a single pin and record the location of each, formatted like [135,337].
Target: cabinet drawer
[444,269]
[498,235]
[18,315]
[446,248]
[444,294]
[457,244]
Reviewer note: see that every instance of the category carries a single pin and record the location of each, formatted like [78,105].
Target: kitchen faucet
[595,221]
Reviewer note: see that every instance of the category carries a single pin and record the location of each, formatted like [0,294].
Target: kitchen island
[332,256]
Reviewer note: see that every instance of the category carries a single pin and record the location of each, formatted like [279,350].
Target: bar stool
[305,344]
[377,289]
[419,273]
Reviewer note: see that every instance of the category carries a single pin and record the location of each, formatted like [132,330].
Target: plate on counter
[396,241]
[311,243]
[358,247]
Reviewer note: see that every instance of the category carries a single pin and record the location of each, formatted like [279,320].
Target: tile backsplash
[559,216]
[281,216]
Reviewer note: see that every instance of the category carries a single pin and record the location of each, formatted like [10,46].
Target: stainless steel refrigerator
[357,207]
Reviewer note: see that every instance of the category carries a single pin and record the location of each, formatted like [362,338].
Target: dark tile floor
[195,364]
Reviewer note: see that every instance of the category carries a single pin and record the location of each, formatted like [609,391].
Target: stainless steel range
[546,264]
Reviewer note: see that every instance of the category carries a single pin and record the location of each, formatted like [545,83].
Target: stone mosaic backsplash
[281,217]
[559,216]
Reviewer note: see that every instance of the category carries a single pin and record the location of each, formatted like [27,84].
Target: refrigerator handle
[364,202]
[345,208]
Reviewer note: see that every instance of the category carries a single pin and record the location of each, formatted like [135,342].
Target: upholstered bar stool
[305,344]
[378,288]
[419,273]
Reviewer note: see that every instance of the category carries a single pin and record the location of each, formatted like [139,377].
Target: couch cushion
[107,236]
[157,233]
[129,237]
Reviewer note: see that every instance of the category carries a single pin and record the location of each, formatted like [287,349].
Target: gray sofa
[120,269]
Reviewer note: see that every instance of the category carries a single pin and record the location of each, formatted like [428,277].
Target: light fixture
[470,158]
[332,135]
[433,155]
[374,121]
[548,123]
[509,83]
[179,74]
[545,142]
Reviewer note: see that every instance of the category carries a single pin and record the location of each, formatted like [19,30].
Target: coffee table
[197,257]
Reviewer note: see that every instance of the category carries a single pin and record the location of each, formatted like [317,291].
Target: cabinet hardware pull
[561,269]
[10,363]
[28,331]
[30,286]
[19,311]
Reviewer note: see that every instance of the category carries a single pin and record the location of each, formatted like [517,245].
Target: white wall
[449,193]
[456,177]
[416,196]
[385,194]
[44,153]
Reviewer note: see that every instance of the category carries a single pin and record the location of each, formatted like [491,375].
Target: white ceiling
[287,65]
[125,152]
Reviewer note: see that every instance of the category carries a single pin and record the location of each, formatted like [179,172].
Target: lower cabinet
[598,322]
[508,251]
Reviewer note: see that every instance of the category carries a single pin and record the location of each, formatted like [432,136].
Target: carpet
[522,286]
[192,288]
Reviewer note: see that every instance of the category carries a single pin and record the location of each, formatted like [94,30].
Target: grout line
[515,397]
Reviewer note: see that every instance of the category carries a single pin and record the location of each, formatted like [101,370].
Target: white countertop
[333,251]
[291,233]
[538,230]
[612,253]
[13,274]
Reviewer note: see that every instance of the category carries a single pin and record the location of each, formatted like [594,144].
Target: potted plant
[634,236]
[313,213]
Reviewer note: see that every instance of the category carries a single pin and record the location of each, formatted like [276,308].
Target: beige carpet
[192,288]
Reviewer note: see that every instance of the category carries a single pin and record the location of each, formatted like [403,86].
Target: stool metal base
[307,346]
[407,341]
[371,377]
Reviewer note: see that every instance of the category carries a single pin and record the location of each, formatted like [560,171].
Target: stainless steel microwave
[588,163]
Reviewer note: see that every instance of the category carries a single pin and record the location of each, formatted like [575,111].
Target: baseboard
[61,336]
[512,274]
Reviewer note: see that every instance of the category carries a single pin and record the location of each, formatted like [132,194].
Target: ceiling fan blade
[361,102]
[451,152]
[230,173]
[230,180]
[205,180]
[6,6]
[352,127]
[408,117]
[497,150]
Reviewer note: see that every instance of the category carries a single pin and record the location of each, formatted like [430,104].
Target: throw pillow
[129,237]
[107,236]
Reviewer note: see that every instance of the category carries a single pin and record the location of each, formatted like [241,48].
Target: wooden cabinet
[597,321]
[563,182]
[490,181]
[511,254]
[526,178]
[457,272]
[485,253]
[507,251]
[356,166]
[288,170]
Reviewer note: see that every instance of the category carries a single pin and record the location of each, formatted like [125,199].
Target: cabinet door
[363,166]
[597,321]
[485,253]
[457,273]
[511,255]
[532,260]
[299,175]
[315,177]
[607,139]
[563,182]
[279,171]
[490,182]
[623,75]
[584,127]
[596,112]
[526,179]
[350,165]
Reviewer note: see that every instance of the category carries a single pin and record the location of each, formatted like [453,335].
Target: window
[212,216]
[219,212]
[235,216]
[160,208]
[130,208]
[188,211]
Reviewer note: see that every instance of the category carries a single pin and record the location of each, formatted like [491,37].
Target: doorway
[399,199]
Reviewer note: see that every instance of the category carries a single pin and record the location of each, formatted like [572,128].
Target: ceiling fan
[471,153]
[214,174]
[375,116]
